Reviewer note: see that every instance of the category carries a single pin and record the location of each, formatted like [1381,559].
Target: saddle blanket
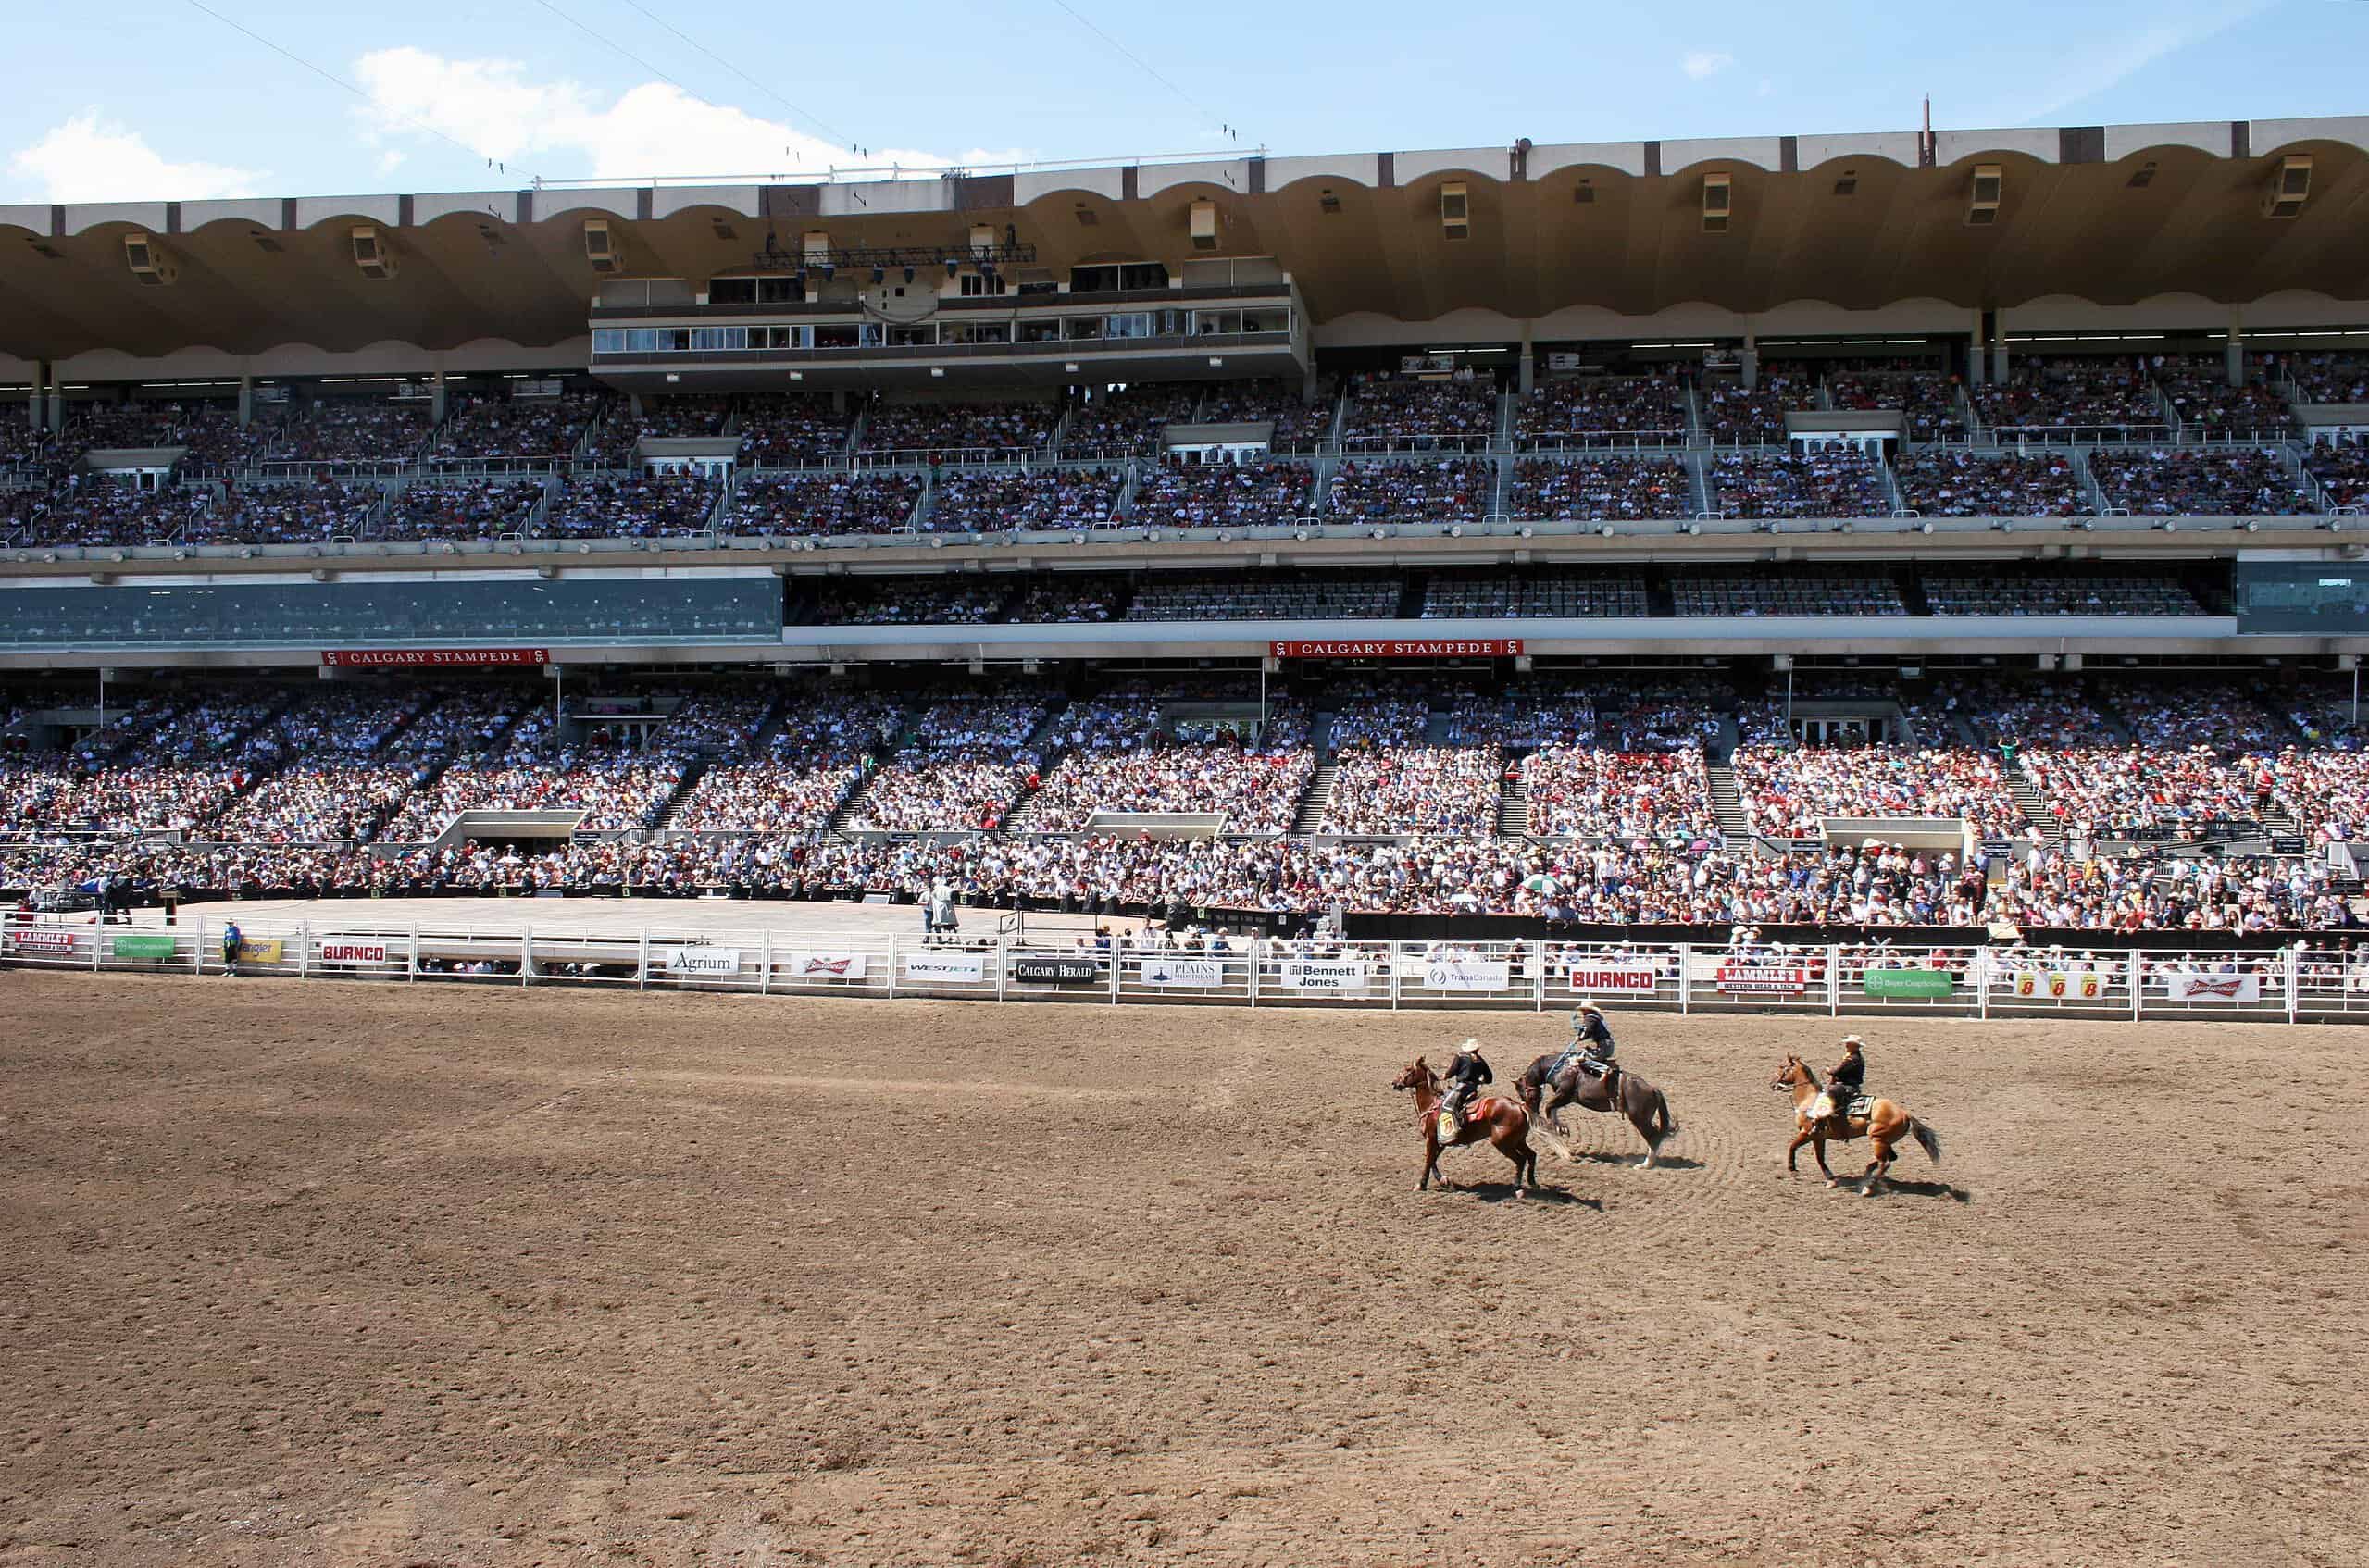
[1858,1106]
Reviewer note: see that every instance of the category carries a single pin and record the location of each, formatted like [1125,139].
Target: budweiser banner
[703,961]
[1764,979]
[954,968]
[1622,975]
[2214,988]
[1402,648]
[819,965]
[1339,976]
[431,658]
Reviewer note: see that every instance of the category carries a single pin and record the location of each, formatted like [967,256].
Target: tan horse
[1883,1126]
[1493,1117]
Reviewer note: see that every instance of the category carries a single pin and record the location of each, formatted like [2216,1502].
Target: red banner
[431,658]
[1402,648]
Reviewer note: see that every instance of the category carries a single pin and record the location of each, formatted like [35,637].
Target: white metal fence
[2285,985]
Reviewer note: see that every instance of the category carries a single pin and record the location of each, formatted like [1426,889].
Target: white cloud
[1701,64]
[493,108]
[2083,64]
[89,159]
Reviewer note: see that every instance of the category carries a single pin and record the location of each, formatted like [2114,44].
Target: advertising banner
[2059,985]
[957,968]
[2212,987]
[1339,977]
[1402,648]
[257,950]
[430,658]
[333,951]
[1030,971]
[1909,983]
[1195,971]
[1764,979]
[45,944]
[700,959]
[819,965]
[150,948]
[1620,976]
[1466,974]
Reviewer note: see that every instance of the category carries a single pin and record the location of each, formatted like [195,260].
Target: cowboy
[1846,1082]
[231,937]
[1467,1070]
[1593,1040]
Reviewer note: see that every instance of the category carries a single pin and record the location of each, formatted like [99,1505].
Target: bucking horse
[1647,1108]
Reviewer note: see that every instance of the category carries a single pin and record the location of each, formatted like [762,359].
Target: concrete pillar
[1747,361]
[56,401]
[1975,377]
[34,400]
[1308,384]
[436,398]
[1530,366]
[634,401]
[246,398]
[2235,353]
[1999,359]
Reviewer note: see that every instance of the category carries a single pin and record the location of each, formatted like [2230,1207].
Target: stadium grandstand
[1271,537]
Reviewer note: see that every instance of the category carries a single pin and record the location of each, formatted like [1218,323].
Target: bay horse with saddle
[1884,1125]
[1564,1077]
[1493,1117]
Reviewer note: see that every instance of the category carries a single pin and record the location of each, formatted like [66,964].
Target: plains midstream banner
[954,968]
[1184,972]
[1908,982]
[1336,977]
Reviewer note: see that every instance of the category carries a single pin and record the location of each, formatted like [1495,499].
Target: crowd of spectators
[1584,407]
[1069,599]
[959,427]
[1600,490]
[1753,593]
[998,500]
[337,430]
[1120,757]
[1832,481]
[1222,495]
[1410,789]
[1586,792]
[617,442]
[815,756]
[2068,397]
[1196,597]
[2328,378]
[620,506]
[2342,469]
[1930,408]
[962,765]
[2009,589]
[1451,489]
[1734,416]
[791,431]
[93,510]
[455,508]
[209,431]
[823,505]
[1953,482]
[2206,405]
[1490,596]
[2191,482]
[1441,415]
[1130,419]
[288,513]
[1300,424]
[1786,790]
[924,603]
[485,429]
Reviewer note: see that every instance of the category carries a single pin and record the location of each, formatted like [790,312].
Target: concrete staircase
[668,812]
[2043,821]
[1726,805]
[1513,806]
[1320,796]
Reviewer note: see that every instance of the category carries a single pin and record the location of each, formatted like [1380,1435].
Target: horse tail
[1926,1139]
[1667,1123]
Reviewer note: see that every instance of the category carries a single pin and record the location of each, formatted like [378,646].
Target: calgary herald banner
[430,658]
[1402,648]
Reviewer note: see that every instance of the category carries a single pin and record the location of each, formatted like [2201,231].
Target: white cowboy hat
[1852,1039]
[1469,1045]
[1589,1007]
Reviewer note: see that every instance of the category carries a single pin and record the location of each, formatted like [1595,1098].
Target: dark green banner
[1908,982]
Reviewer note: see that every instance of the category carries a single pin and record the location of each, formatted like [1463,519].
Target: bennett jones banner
[962,968]
[1764,979]
[1465,975]
[703,961]
[335,951]
[1393,648]
[2214,988]
[820,965]
[1341,977]
[430,658]
[1625,974]
[1184,972]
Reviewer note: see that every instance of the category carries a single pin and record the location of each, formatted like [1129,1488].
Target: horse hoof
[1832,1183]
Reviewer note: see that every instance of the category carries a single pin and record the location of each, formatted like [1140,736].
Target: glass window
[1092,279]
[1078,329]
[836,334]
[1144,275]
[1044,330]
[608,340]
[1132,324]
[731,291]
[1210,323]
[780,290]
[912,337]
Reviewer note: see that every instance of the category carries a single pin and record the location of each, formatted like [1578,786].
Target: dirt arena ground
[306,1274]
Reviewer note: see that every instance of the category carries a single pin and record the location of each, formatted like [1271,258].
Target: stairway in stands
[1727,806]
[1319,796]
[681,793]
[1514,802]
[2019,784]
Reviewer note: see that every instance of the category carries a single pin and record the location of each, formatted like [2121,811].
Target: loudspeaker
[816,246]
[372,253]
[147,260]
[1718,203]
[982,239]
[2289,187]
[1455,211]
[1205,226]
[600,247]
[1982,196]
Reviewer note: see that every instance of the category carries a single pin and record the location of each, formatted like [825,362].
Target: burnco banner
[334,950]
[1341,977]
[1627,974]
[951,969]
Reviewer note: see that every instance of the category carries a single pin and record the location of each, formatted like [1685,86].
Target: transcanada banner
[954,968]
[1339,977]
[1466,974]
[1402,648]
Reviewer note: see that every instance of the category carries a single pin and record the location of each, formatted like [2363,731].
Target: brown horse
[1499,1120]
[1619,1090]
[1883,1126]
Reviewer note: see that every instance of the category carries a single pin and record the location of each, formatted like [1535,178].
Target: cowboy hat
[1852,1039]
[1589,1007]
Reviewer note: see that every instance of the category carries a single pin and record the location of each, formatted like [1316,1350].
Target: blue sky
[156,99]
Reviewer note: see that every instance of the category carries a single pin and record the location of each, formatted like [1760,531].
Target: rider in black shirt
[1467,1070]
[1846,1082]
